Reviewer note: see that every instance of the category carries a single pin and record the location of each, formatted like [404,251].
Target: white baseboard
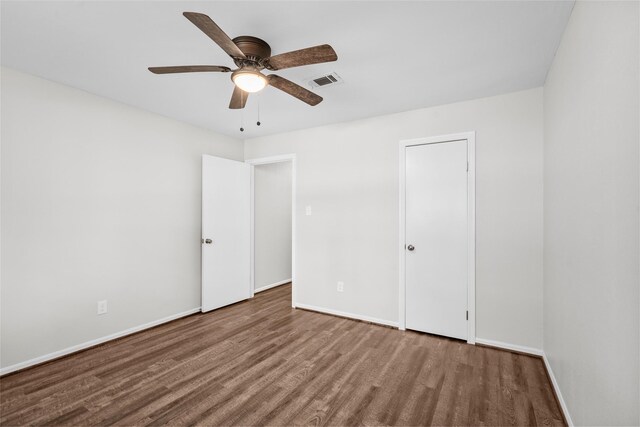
[273,285]
[85,345]
[512,347]
[556,387]
[345,314]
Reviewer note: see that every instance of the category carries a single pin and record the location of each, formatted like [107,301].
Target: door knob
[208,241]
[410,247]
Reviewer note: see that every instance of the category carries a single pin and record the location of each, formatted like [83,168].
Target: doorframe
[470,137]
[265,161]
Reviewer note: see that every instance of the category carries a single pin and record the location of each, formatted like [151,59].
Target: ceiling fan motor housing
[255,49]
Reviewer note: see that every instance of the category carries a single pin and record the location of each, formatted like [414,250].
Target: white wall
[348,174]
[272,219]
[591,300]
[99,201]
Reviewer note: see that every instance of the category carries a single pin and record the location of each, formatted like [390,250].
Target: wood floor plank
[261,362]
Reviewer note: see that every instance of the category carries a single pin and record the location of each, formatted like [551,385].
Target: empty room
[341,213]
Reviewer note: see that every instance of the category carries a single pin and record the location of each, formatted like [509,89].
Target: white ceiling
[393,56]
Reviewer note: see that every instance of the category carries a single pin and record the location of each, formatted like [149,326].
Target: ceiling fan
[251,55]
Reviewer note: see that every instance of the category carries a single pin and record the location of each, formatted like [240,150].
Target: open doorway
[272,222]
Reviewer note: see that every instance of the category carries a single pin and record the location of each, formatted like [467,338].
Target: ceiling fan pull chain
[259,98]
[242,120]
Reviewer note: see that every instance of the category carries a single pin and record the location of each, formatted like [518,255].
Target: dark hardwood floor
[260,362]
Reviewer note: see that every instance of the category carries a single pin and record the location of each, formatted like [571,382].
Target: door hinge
[467,166]
[467,314]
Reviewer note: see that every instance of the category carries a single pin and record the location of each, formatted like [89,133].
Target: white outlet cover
[307,211]
[340,286]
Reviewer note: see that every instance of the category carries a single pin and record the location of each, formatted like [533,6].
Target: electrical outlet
[102,307]
[340,286]
[308,210]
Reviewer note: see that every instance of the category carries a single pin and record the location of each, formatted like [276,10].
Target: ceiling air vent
[326,80]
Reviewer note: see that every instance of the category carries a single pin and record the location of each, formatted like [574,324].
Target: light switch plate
[102,307]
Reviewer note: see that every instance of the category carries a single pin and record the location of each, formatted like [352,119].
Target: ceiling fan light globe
[249,81]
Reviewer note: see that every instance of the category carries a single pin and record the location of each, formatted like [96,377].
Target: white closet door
[436,238]
[225,232]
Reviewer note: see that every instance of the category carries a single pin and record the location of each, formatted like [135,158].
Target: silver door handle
[208,241]
[410,247]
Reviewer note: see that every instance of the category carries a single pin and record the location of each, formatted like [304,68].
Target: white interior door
[436,238]
[225,232]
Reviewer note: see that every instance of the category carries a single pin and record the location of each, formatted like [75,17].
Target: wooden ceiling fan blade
[296,58]
[215,33]
[189,69]
[294,90]
[238,98]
